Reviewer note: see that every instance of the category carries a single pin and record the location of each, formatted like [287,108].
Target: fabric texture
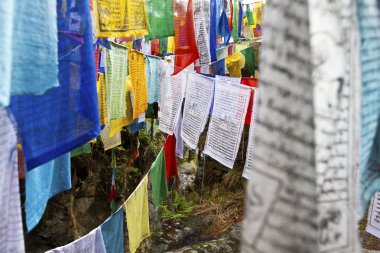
[223,28]
[235,63]
[369,21]
[249,66]
[6,30]
[11,231]
[202,29]
[121,19]
[214,12]
[116,66]
[307,132]
[42,183]
[34,47]
[158,178]
[90,243]
[154,69]
[137,215]
[138,81]
[113,232]
[186,51]
[102,102]
[110,142]
[118,124]
[171,159]
[219,67]
[160,18]
[65,117]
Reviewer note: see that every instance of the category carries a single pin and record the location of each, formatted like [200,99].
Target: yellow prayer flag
[171,44]
[118,124]
[258,9]
[103,111]
[235,63]
[121,18]
[137,74]
[137,215]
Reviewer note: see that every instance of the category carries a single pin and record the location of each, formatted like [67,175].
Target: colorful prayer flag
[137,215]
[121,18]
[160,18]
[158,178]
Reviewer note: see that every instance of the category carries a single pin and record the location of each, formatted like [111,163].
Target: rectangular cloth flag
[154,72]
[6,29]
[373,222]
[171,97]
[34,47]
[113,232]
[116,66]
[248,167]
[158,178]
[67,116]
[110,142]
[235,63]
[186,51]
[369,21]
[306,148]
[42,183]
[102,102]
[118,124]
[11,232]
[202,29]
[227,121]
[160,18]
[138,81]
[199,97]
[90,243]
[249,64]
[121,18]
[137,215]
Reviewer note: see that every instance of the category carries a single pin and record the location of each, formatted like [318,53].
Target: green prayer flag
[251,21]
[249,55]
[235,20]
[158,177]
[84,149]
[160,18]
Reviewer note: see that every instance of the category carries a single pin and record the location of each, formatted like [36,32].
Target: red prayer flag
[186,51]
[171,158]
[251,82]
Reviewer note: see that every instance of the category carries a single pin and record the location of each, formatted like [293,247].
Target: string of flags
[97,67]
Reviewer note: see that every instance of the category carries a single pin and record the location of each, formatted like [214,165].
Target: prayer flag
[113,232]
[235,63]
[102,102]
[158,178]
[118,124]
[42,183]
[160,18]
[186,51]
[67,116]
[202,29]
[171,159]
[90,243]
[227,121]
[116,72]
[121,18]
[11,232]
[138,81]
[34,47]
[137,215]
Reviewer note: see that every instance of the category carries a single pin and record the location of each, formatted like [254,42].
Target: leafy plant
[177,207]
